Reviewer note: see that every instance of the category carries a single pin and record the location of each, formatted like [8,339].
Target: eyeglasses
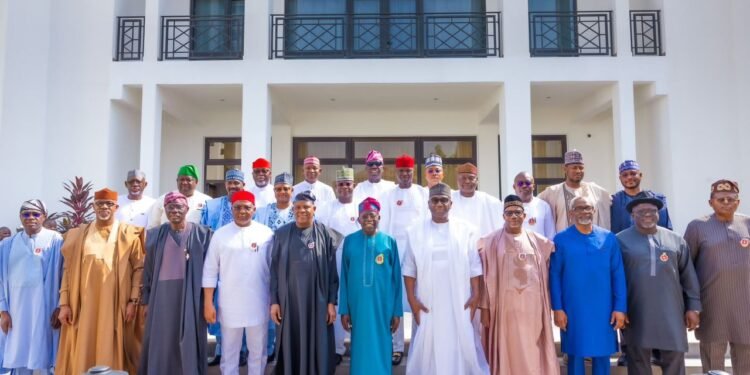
[514,213]
[524,183]
[727,200]
[374,163]
[436,200]
[584,209]
[645,213]
[105,204]
[35,214]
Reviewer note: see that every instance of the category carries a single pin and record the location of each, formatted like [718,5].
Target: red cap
[261,163]
[243,195]
[404,161]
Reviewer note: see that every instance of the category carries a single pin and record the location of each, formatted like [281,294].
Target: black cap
[645,196]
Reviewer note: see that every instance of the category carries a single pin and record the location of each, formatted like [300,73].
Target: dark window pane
[224,150]
[323,150]
[389,149]
[547,148]
[449,149]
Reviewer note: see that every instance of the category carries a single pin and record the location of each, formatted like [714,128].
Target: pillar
[623,119]
[151,126]
[515,132]
[256,123]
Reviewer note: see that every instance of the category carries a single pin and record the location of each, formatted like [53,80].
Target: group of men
[285,272]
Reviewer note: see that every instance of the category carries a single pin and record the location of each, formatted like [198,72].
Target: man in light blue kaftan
[370,292]
[587,289]
[30,272]
[218,213]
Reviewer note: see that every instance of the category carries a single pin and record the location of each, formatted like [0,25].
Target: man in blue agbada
[30,272]
[587,289]
[370,292]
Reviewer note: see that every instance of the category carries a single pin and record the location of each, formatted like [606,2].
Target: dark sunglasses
[374,163]
[30,214]
[524,183]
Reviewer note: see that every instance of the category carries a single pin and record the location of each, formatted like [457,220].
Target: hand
[692,320]
[395,321]
[66,315]
[416,309]
[276,313]
[5,322]
[484,317]
[561,319]
[346,322]
[331,314]
[473,304]
[618,319]
[53,321]
[145,312]
[130,312]
[209,312]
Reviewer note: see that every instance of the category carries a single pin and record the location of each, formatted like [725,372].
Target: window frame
[563,139]
[223,162]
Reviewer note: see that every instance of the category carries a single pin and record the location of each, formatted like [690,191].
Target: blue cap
[629,165]
[284,178]
[234,175]
[306,195]
[433,159]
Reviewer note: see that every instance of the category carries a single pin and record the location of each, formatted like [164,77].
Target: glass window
[218,150]
[323,150]
[548,158]
[221,155]
[449,149]
[552,148]
[389,149]
[328,176]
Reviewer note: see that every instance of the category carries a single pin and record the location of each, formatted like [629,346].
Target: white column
[621,28]
[256,123]
[623,119]
[151,123]
[257,14]
[152,31]
[515,132]
[515,30]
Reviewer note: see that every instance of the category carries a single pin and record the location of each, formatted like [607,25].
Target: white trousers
[257,337]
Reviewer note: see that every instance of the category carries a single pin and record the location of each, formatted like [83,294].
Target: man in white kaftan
[375,186]
[474,206]
[538,213]
[442,272]
[262,188]
[341,215]
[239,257]
[135,206]
[312,170]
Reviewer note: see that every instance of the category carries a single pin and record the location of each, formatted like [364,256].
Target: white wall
[124,143]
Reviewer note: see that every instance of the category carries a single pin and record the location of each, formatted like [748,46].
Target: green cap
[345,174]
[188,170]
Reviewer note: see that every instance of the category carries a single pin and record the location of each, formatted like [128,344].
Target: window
[221,155]
[336,152]
[548,158]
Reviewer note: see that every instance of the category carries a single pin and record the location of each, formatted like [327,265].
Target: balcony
[343,36]
[582,33]
[129,39]
[202,38]
[645,33]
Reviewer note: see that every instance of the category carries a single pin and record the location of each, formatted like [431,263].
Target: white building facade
[94,89]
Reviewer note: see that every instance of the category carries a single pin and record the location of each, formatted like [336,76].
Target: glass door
[314,27]
[384,27]
[553,24]
[216,28]
[455,25]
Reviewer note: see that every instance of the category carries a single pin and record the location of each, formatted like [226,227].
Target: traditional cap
[512,200]
[306,195]
[573,157]
[312,160]
[467,168]
[261,163]
[243,195]
[433,159]
[34,205]
[369,204]
[725,185]
[234,175]
[175,197]
[344,174]
[284,178]
[105,195]
[645,196]
[136,174]
[188,170]
[404,161]
[374,155]
[440,189]
[629,165]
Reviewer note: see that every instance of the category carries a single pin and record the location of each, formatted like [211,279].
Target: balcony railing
[570,33]
[202,38]
[129,38]
[645,32]
[385,35]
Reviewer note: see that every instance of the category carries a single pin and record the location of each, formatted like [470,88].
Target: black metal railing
[385,35]
[202,38]
[570,33]
[129,38]
[645,32]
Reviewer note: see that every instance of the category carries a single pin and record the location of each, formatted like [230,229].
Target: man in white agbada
[539,218]
[442,272]
[559,196]
[136,206]
[401,207]
[341,215]
[262,188]
[30,272]
[239,257]
[474,206]
[187,181]
[312,170]
[375,186]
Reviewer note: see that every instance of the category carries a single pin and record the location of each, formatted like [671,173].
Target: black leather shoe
[339,358]
[271,358]
[214,361]
[243,359]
